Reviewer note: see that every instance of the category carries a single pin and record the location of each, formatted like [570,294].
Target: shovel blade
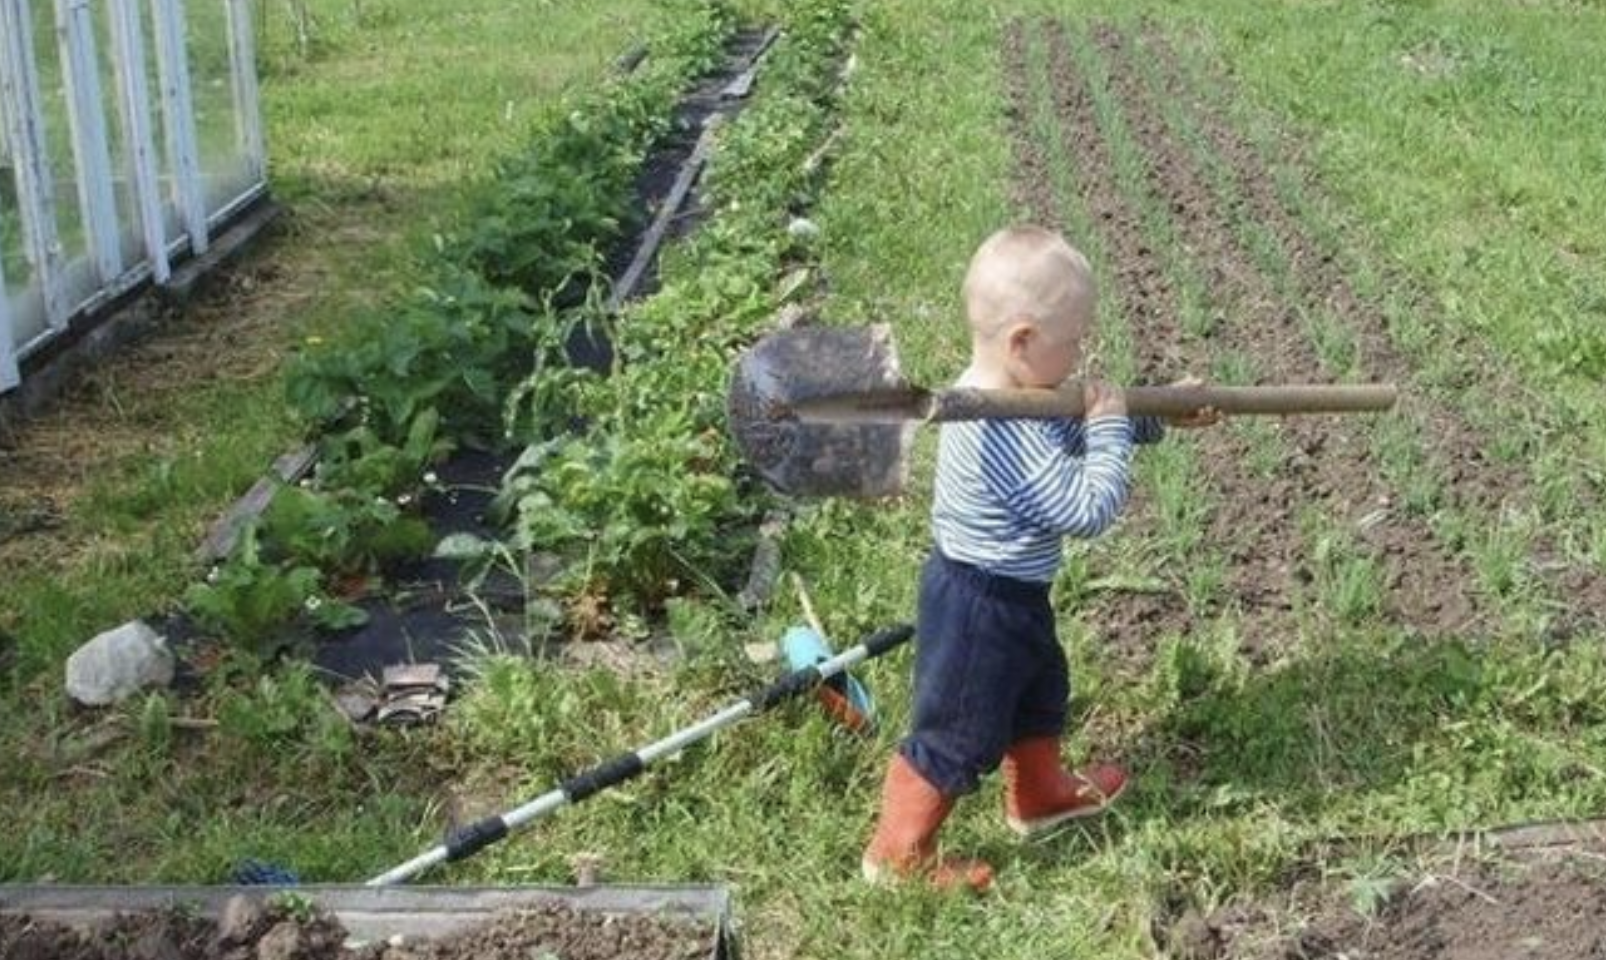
[796,368]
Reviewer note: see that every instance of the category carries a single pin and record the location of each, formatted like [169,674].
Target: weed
[1399,447]
[1347,579]
[293,904]
[155,726]
[1500,556]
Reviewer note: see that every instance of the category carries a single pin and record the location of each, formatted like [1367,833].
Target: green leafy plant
[639,512]
[341,533]
[255,602]
[643,505]
[357,459]
[452,348]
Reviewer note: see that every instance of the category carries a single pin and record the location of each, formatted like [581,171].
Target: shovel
[825,411]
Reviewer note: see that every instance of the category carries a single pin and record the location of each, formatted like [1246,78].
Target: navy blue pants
[989,671]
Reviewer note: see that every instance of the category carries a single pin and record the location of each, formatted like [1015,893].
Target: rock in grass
[118,664]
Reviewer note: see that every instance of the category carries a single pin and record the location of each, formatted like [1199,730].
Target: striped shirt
[1008,491]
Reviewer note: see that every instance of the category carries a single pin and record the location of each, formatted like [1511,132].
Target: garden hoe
[825,411]
[466,841]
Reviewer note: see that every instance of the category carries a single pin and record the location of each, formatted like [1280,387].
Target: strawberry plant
[644,505]
[410,382]
[343,533]
[452,348]
[357,459]
[638,511]
[256,602]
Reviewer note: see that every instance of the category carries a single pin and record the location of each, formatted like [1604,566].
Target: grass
[1244,769]
[155,445]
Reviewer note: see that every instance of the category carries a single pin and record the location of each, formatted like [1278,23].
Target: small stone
[119,663]
[803,228]
[241,918]
[283,942]
[587,868]
[761,653]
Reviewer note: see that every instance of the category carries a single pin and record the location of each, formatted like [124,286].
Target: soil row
[1126,622]
[1455,448]
[1328,463]
[1325,465]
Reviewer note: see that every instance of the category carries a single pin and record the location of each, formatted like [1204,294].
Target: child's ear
[1018,337]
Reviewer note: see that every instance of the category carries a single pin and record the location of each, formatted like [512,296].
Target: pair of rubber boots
[1039,794]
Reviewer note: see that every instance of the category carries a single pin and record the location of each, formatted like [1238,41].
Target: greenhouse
[130,136]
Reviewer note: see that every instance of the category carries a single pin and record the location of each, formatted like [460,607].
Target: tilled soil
[1554,910]
[541,930]
[1455,448]
[1328,463]
[1128,622]
[1325,466]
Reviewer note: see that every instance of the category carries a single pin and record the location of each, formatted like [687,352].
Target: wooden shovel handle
[971,404]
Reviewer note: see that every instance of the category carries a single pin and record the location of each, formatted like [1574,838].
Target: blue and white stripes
[1008,491]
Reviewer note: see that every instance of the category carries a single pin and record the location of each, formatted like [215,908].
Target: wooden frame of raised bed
[380,913]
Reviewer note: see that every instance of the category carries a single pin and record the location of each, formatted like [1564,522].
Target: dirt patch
[1554,909]
[571,935]
[1455,449]
[278,933]
[1126,623]
[1032,188]
[1327,466]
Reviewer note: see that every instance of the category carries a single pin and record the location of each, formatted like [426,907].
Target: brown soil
[1554,910]
[548,929]
[1126,623]
[1456,449]
[1328,463]
[1325,466]
[571,935]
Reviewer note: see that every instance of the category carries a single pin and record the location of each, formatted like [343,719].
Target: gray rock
[241,921]
[119,663]
[283,942]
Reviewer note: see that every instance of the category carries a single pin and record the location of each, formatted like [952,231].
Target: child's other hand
[1202,417]
[1101,399]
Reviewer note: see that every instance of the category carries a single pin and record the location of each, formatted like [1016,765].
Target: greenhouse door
[130,132]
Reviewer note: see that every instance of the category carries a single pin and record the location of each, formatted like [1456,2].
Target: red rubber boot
[904,846]
[1040,794]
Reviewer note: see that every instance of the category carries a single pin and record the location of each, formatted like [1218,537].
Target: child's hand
[1202,417]
[1100,399]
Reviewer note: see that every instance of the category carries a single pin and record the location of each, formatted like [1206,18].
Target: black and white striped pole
[467,841]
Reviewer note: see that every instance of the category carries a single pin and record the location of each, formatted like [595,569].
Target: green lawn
[367,173]
[1440,159]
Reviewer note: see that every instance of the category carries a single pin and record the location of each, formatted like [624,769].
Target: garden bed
[1551,906]
[337,923]
[409,605]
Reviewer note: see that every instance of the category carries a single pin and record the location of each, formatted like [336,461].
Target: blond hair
[1027,274]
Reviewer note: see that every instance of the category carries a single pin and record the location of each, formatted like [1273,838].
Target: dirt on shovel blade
[805,365]
[280,933]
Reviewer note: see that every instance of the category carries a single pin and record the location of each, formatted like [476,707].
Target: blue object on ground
[256,873]
[804,647]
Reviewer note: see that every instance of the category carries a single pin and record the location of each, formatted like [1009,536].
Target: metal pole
[476,836]
[178,110]
[134,107]
[75,29]
[247,95]
[24,117]
[10,376]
